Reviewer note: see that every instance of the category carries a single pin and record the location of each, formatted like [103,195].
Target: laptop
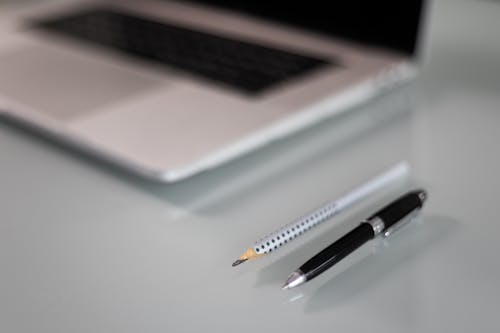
[168,89]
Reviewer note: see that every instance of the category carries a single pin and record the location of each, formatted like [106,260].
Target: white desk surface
[86,248]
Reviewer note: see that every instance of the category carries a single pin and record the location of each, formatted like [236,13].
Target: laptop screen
[392,24]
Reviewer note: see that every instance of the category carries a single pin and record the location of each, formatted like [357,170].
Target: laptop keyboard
[246,66]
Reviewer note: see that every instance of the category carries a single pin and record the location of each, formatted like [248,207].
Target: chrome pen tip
[239,261]
[294,279]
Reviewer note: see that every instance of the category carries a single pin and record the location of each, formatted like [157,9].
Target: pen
[385,222]
[296,228]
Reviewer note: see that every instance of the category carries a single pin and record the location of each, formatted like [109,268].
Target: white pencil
[296,228]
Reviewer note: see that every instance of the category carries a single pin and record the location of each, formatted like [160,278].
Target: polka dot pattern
[294,229]
[302,225]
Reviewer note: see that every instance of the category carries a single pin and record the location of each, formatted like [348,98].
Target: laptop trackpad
[64,84]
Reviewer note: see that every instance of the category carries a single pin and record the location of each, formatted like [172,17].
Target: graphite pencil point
[248,255]
[239,261]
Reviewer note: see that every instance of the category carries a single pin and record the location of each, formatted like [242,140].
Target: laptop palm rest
[64,85]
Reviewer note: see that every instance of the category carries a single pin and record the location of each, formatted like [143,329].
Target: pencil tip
[239,261]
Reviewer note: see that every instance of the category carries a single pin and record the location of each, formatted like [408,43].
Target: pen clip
[404,221]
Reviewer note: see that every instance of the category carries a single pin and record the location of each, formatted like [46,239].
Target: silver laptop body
[167,118]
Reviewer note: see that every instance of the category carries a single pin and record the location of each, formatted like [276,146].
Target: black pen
[385,221]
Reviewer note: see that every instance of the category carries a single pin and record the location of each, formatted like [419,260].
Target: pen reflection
[295,297]
[386,257]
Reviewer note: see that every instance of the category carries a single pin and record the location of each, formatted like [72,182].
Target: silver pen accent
[295,279]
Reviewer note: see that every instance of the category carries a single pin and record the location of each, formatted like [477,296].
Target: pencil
[291,231]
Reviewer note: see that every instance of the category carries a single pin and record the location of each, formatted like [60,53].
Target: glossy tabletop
[87,248]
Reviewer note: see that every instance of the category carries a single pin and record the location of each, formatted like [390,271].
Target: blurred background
[86,247]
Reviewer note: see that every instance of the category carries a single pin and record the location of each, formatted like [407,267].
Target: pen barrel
[400,208]
[337,250]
